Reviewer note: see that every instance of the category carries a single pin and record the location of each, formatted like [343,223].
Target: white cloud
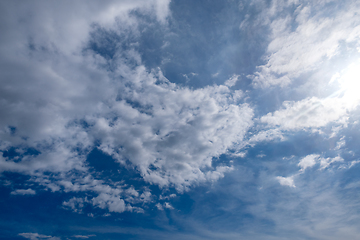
[312,159]
[76,204]
[340,144]
[325,162]
[308,113]
[28,191]
[50,84]
[112,202]
[232,81]
[292,52]
[84,236]
[168,205]
[286,181]
[308,161]
[159,206]
[36,236]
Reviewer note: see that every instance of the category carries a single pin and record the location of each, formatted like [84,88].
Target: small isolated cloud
[232,81]
[107,201]
[168,205]
[23,192]
[159,206]
[36,236]
[84,236]
[308,161]
[76,204]
[286,181]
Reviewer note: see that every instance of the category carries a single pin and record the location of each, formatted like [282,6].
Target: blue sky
[165,119]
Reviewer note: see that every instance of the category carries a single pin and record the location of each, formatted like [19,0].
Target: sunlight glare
[350,84]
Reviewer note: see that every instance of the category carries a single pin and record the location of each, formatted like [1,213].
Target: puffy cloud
[161,207]
[308,161]
[286,181]
[60,99]
[76,204]
[112,202]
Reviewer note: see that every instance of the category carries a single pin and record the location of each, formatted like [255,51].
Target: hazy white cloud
[286,181]
[232,81]
[325,162]
[308,113]
[316,36]
[76,204]
[36,236]
[28,191]
[84,236]
[168,205]
[159,206]
[312,159]
[308,161]
[112,202]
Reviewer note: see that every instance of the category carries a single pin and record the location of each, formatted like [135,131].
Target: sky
[179,119]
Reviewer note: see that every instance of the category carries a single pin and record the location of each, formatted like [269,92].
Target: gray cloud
[28,191]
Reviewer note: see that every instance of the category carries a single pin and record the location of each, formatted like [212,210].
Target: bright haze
[180,119]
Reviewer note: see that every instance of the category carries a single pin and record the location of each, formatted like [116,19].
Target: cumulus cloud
[166,205]
[112,202]
[76,204]
[286,181]
[308,161]
[61,99]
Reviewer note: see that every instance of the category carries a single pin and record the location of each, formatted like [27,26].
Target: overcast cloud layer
[190,120]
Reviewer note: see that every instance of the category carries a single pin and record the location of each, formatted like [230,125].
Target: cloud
[64,98]
[23,192]
[84,236]
[161,207]
[232,81]
[76,204]
[308,113]
[325,162]
[316,36]
[36,236]
[286,181]
[308,161]
[111,202]
[312,159]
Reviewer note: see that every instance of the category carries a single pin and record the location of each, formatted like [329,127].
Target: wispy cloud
[28,191]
